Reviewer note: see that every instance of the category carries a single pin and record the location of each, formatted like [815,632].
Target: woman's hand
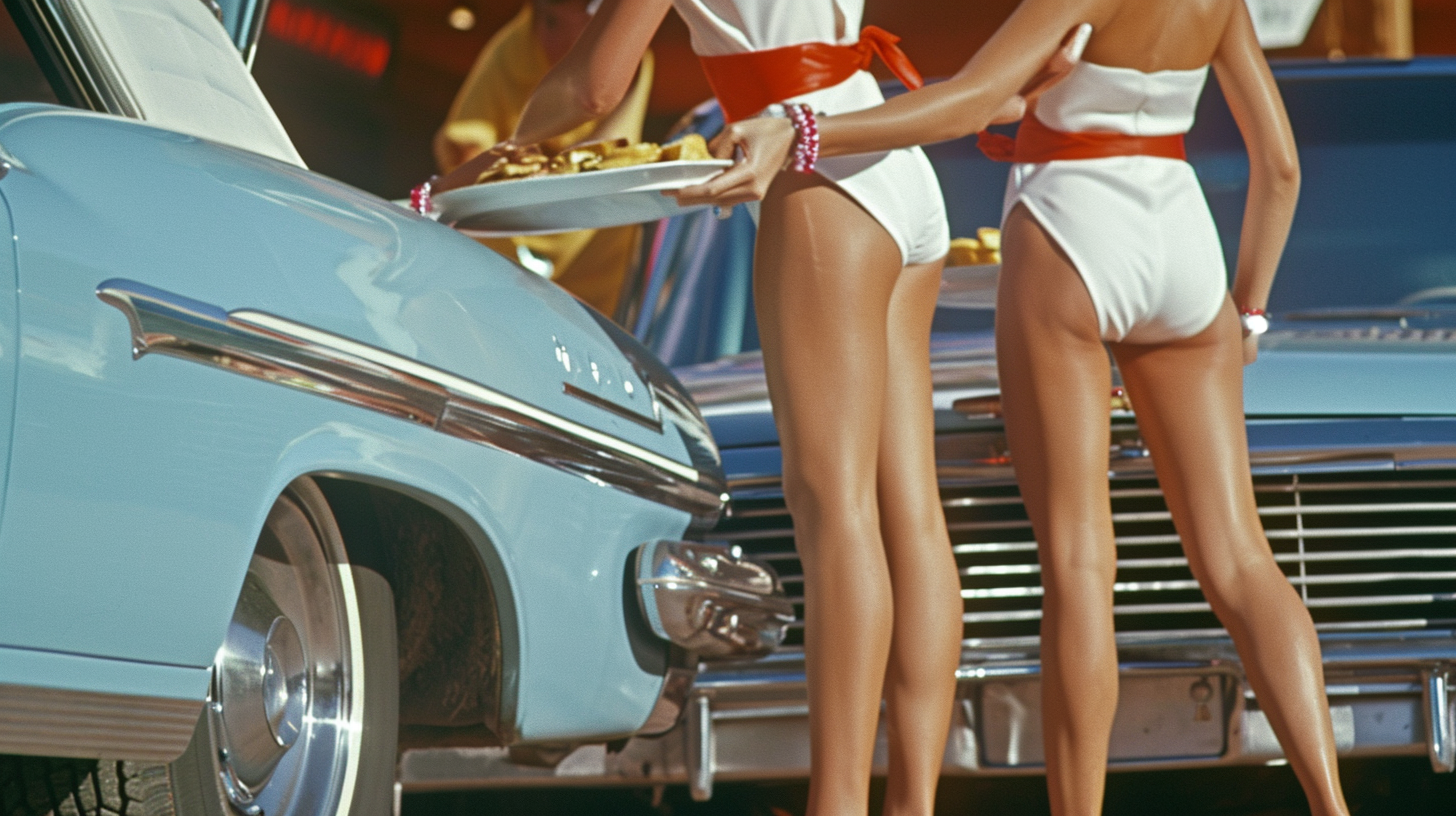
[762,147]
[466,174]
[1055,70]
[1251,348]
[1012,110]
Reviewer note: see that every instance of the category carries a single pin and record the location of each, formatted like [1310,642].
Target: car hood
[96,198]
[733,394]
[1305,373]
[1353,372]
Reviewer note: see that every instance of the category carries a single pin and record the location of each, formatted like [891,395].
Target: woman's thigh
[1188,395]
[824,271]
[909,495]
[1055,392]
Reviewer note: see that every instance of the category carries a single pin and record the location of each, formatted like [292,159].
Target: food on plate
[640,153]
[528,161]
[990,238]
[573,161]
[515,162]
[692,147]
[985,248]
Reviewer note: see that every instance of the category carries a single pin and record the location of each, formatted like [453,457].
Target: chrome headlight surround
[709,600]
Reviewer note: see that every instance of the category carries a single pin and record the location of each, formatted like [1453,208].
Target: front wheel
[302,715]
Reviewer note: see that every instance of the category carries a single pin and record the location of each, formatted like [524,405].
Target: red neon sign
[327,36]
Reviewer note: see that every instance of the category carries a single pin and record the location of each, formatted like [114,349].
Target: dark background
[361,85]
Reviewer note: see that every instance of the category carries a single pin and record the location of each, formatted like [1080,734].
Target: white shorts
[898,188]
[1139,232]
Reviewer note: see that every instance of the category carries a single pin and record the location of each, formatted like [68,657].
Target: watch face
[1255,323]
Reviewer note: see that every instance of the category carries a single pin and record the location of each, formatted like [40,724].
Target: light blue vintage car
[291,472]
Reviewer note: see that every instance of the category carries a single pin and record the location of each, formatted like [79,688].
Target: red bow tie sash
[747,83]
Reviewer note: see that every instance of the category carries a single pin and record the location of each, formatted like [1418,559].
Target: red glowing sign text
[329,37]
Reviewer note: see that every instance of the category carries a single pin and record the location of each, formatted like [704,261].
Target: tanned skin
[1055,381]
[845,329]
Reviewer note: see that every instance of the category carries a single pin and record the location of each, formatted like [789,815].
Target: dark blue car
[1352,427]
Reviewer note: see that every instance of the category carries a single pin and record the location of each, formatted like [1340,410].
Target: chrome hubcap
[285,692]
[282,714]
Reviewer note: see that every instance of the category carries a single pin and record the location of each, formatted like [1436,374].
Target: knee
[1232,581]
[914,520]
[821,503]
[1079,571]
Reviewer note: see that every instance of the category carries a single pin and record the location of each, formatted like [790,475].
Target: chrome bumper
[749,721]
[708,600]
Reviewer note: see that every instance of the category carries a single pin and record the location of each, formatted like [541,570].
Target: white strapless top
[721,27]
[1123,100]
[897,187]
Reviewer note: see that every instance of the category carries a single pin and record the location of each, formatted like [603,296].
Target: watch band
[1254,321]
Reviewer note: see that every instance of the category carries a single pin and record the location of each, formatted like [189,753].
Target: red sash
[747,83]
[1036,143]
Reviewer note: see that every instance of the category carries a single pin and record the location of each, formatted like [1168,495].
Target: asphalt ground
[1375,787]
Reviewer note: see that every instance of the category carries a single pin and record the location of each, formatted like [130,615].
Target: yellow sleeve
[489,102]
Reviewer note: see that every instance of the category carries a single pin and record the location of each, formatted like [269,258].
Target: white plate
[595,198]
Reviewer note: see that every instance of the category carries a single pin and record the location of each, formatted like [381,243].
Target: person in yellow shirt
[589,263]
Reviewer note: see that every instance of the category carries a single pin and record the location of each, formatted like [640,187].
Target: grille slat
[1367,552]
[994,547]
[1291,558]
[1358,532]
[1330,509]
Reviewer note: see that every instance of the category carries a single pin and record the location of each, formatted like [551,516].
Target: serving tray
[586,200]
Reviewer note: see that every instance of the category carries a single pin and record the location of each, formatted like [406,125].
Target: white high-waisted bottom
[898,188]
[1139,232]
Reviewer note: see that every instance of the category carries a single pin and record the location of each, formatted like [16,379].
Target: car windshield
[1376,224]
[1374,237]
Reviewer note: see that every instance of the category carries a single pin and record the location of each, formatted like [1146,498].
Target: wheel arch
[459,657]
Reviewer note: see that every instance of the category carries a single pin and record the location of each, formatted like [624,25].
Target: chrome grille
[1366,550]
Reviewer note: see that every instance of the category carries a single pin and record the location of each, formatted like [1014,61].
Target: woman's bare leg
[1055,389]
[1189,401]
[925,646]
[824,271]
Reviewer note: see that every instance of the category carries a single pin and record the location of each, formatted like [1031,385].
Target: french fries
[525,162]
[985,248]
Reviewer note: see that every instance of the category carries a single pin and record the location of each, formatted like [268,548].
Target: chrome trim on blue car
[706,598]
[277,350]
[650,423]
[60,722]
[672,404]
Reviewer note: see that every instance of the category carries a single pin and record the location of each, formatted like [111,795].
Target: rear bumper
[1183,705]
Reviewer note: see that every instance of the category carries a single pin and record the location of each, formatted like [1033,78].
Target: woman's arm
[1021,57]
[588,83]
[594,76]
[625,121]
[965,103]
[1254,100]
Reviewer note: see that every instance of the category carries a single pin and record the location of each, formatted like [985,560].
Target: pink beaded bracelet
[805,152]
[420,197]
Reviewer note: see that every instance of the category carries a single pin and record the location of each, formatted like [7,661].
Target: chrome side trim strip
[650,423]
[274,349]
[86,724]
